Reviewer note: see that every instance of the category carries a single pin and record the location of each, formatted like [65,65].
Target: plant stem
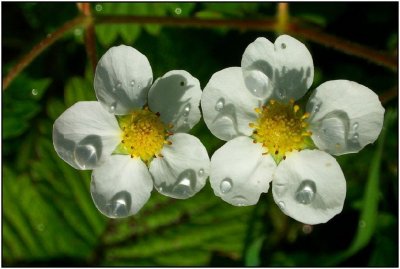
[264,24]
[294,28]
[90,37]
[318,36]
[39,48]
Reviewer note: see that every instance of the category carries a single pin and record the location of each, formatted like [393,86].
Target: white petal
[176,96]
[345,116]
[123,77]
[227,106]
[85,134]
[282,70]
[309,186]
[121,186]
[183,169]
[240,173]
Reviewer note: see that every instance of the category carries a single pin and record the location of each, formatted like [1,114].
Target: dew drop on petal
[220,104]
[355,136]
[186,110]
[239,200]
[132,83]
[355,125]
[281,205]
[120,205]
[119,85]
[305,193]
[112,107]
[258,83]
[226,185]
[85,156]
[316,108]
[201,172]
[184,187]
[34,92]
[283,46]
[281,94]
[185,121]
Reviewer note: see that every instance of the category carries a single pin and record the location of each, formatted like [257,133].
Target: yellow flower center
[281,128]
[143,134]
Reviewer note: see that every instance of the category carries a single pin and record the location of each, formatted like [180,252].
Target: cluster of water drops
[184,187]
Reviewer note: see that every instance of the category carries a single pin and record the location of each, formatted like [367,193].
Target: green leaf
[369,211]
[252,256]
[78,89]
[20,104]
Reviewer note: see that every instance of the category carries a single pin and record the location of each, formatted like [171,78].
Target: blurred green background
[48,217]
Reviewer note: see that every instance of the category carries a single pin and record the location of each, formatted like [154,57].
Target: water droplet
[355,137]
[186,110]
[119,85]
[185,186]
[119,205]
[78,31]
[283,46]
[186,121]
[316,108]
[226,185]
[279,189]
[99,7]
[239,200]
[87,151]
[132,83]
[281,94]
[258,83]
[178,11]
[355,125]
[112,107]
[201,172]
[34,92]
[305,194]
[335,129]
[281,205]
[220,104]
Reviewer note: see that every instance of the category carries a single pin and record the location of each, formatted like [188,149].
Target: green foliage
[49,218]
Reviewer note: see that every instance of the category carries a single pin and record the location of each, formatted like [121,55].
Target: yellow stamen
[281,128]
[143,134]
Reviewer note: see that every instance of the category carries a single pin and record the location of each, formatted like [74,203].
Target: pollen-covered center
[281,128]
[143,134]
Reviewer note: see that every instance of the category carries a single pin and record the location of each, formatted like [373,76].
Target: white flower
[270,138]
[132,138]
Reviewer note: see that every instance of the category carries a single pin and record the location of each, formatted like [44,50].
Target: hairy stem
[39,48]
[318,36]
[294,27]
